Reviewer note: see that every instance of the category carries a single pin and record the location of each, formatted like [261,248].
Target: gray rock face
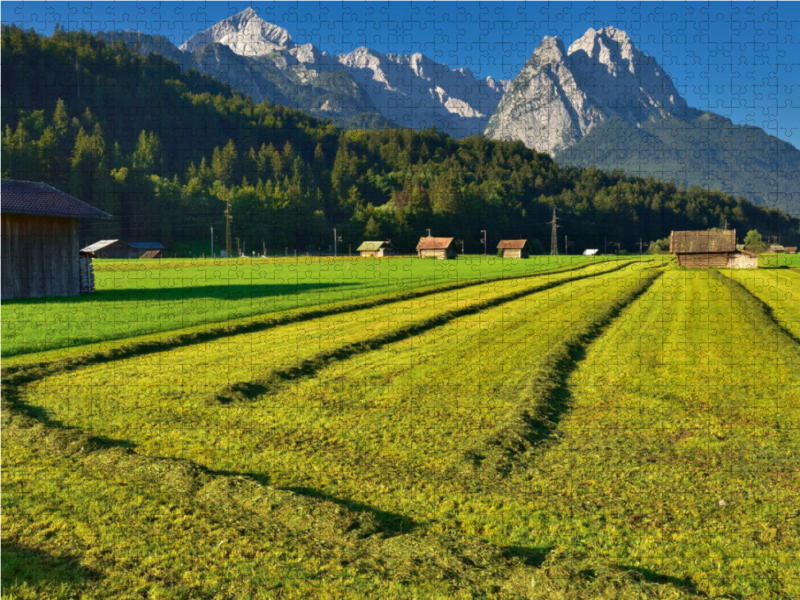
[260,59]
[561,96]
[246,34]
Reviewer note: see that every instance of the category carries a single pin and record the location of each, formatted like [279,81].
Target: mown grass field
[139,297]
[617,430]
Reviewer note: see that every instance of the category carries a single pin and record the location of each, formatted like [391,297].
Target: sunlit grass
[138,297]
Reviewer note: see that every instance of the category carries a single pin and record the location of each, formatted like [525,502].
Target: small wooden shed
[40,249]
[714,248]
[378,249]
[435,247]
[111,249]
[514,248]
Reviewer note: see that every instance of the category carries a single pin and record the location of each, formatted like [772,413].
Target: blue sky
[741,60]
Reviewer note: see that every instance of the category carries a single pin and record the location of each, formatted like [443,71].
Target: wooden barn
[40,249]
[152,254]
[433,247]
[514,248]
[715,248]
[378,249]
[111,249]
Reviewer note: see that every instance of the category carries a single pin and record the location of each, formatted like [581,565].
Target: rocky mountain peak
[246,33]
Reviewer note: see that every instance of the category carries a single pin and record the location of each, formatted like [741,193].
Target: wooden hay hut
[514,248]
[40,249]
[433,247]
[151,254]
[111,249]
[377,249]
[715,248]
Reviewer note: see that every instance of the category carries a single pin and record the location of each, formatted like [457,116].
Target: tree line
[166,150]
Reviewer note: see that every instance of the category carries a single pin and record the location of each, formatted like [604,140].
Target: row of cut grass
[408,408]
[136,298]
[779,289]
[675,462]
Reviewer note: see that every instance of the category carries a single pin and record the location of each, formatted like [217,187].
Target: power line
[554,235]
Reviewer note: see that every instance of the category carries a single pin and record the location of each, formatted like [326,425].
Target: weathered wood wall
[508,253]
[717,260]
[39,257]
[440,254]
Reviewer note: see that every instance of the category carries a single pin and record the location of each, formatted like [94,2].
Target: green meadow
[605,429]
[139,297]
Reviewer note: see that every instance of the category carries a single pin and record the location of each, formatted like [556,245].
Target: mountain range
[601,102]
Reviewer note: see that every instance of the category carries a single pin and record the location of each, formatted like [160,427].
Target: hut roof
[791,249]
[688,242]
[372,246]
[152,254]
[434,243]
[146,245]
[102,244]
[511,244]
[33,198]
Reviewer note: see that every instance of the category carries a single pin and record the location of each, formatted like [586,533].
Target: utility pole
[566,244]
[228,219]
[212,242]
[335,247]
[605,245]
[554,235]
[238,249]
[483,231]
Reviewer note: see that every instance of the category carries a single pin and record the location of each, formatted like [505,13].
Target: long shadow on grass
[533,557]
[29,567]
[682,583]
[390,523]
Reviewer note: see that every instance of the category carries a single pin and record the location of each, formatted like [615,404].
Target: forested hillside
[164,150]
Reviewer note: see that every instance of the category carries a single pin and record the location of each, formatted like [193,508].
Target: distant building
[776,249]
[144,247]
[514,248]
[433,247]
[152,254]
[111,249]
[40,249]
[592,252]
[715,248]
[378,249]
[790,249]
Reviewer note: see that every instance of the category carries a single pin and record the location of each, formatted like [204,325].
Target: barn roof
[716,240]
[434,243]
[146,245]
[33,198]
[372,246]
[511,244]
[102,244]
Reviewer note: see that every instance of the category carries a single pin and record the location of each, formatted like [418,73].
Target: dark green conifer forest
[164,151]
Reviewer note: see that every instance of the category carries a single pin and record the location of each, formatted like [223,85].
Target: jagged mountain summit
[246,34]
[604,102]
[561,95]
[360,88]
